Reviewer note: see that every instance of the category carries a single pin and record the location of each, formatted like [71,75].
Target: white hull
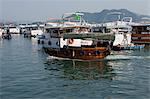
[1,31]
[122,39]
[36,32]
[14,30]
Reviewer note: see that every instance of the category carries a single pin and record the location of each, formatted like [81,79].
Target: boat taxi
[74,40]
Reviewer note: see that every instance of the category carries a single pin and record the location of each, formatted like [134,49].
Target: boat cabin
[57,32]
[141,34]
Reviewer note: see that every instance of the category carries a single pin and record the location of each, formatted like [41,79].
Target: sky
[29,10]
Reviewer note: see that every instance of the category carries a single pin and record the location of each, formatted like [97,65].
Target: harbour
[28,73]
[74,49]
[64,60]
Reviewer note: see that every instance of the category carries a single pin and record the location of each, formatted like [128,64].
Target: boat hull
[79,53]
[134,47]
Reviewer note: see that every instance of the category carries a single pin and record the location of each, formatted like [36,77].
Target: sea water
[26,72]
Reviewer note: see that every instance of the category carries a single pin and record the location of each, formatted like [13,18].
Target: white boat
[38,30]
[31,30]
[1,31]
[14,30]
[36,33]
[6,34]
[122,30]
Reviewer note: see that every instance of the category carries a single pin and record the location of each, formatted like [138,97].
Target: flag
[77,17]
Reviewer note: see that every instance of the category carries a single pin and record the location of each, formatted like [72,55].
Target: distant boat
[36,33]
[32,30]
[6,34]
[1,31]
[14,30]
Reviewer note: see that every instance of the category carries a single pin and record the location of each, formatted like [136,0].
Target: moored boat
[141,34]
[6,34]
[1,31]
[122,30]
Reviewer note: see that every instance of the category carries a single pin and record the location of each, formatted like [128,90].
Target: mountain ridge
[112,15]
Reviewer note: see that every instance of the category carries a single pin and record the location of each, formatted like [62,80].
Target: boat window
[102,44]
[48,31]
[140,30]
[68,30]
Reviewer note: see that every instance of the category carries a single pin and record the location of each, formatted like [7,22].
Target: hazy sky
[27,10]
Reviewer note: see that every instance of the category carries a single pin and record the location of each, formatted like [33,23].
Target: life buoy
[70,41]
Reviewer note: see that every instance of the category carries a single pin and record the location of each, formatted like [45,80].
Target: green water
[26,72]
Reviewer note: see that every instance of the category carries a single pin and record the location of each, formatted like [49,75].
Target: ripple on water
[26,73]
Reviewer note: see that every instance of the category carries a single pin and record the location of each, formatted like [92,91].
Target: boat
[141,34]
[122,30]
[32,30]
[51,22]
[14,30]
[1,31]
[73,39]
[6,34]
[38,31]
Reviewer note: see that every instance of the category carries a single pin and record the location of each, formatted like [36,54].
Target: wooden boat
[76,42]
[79,53]
[141,34]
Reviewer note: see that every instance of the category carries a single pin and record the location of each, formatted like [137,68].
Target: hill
[112,15]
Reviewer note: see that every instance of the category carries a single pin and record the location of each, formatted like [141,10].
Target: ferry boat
[122,30]
[141,34]
[73,39]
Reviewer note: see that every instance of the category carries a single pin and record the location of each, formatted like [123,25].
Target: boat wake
[108,58]
[57,58]
[125,57]
[60,58]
